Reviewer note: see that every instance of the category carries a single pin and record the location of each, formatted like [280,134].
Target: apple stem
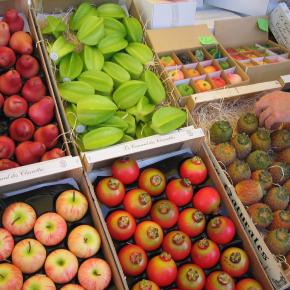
[85,239]
[15,220]
[29,247]
[1,276]
[74,196]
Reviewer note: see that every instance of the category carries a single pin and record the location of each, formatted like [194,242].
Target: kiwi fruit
[242,144]
[284,156]
[281,219]
[278,241]
[261,140]
[248,123]
[259,160]
[286,185]
[280,172]
[264,177]
[220,132]
[261,214]
[225,153]
[238,171]
[277,198]
[280,139]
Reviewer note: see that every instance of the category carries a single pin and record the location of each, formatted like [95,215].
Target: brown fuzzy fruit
[280,172]
[261,140]
[225,153]
[286,185]
[248,123]
[281,219]
[278,241]
[280,139]
[284,156]
[261,214]
[238,171]
[264,177]
[277,198]
[249,191]
[242,144]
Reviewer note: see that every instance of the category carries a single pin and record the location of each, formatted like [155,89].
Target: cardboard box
[254,41]
[162,13]
[232,108]
[247,7]
[26,173]
[70,173]
[196,145]
[280,24]
[187,40]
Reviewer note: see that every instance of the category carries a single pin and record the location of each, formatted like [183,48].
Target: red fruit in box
[179,191]
[42,112]
[53,154]
[10,83]
[2,100]
[207,200]
[21,42]
[14,20]
[27,66]
[33,90]
[7,164]
[219,280]
[15,106]
[4,33]
[21,130]
[47,135]
[7,147]
[7,57]
[29,152]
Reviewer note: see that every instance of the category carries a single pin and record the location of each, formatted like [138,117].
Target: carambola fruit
[167,119]
[91,31]
[60,48]
[141,52]
[116,122]
[70,67]
[220,132]
[155,89]
[102,137]
[143,110]
[134,29]
[54,26]
[93,58]
[114,26]
[116,72]
[131,130]
[129,93]
[71,116]
[99,80]
[144,130]
[112,43]
[111,10]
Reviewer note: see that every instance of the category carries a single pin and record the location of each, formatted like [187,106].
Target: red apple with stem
[84,241]
[202,85]
[39,282]
[94,274]
[72,205]
[72,287]
[29,255]
[6,244]
[50,229]
[19,218]
[61,266]
[10,277]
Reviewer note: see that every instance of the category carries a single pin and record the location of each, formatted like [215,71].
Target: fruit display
[257,164]
[29,131]
[49,241]
[258,54]
[106,78]
[200,70]
[169,225]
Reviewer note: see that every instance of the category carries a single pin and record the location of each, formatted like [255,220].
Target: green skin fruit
[199,55]
[225,153]
[243,145]
[185,90]
[224,65]
[221,132]
[280,139]
[264,177]
[261,140]
[261,214]
[248,123]
[134,29]
[259,160]
[238,171]
[278,241]
[277,198]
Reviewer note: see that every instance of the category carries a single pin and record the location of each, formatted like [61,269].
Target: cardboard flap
[239,32]
[179,38]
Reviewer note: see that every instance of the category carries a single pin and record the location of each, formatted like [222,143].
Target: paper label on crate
[206,40]
[37,170]
[144,144]
[263,24]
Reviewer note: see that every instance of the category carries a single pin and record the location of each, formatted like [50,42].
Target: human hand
[273,108]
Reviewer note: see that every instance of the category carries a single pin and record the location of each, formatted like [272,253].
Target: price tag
[263,24]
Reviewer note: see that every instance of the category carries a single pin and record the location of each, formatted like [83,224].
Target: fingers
[270,121]
[264,115]
[264,102]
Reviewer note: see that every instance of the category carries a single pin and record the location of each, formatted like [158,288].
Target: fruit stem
[74,196]
[15,220]
[29,247]
[1,276]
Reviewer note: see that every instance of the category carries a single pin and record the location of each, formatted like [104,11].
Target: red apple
[39,282]
[7,147]
[21,129]
[50,229]
[94,274]
[28,255]
[209,69]
[7,57]
[72,205]
[176,75]
[219,82]
[2,100]
[61,266]
[18,218]
[10,277]
[15,106]
[6,244]
[47,135]
[234,78]
[72,287]
[53,154]
[84,241]
[202,86]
